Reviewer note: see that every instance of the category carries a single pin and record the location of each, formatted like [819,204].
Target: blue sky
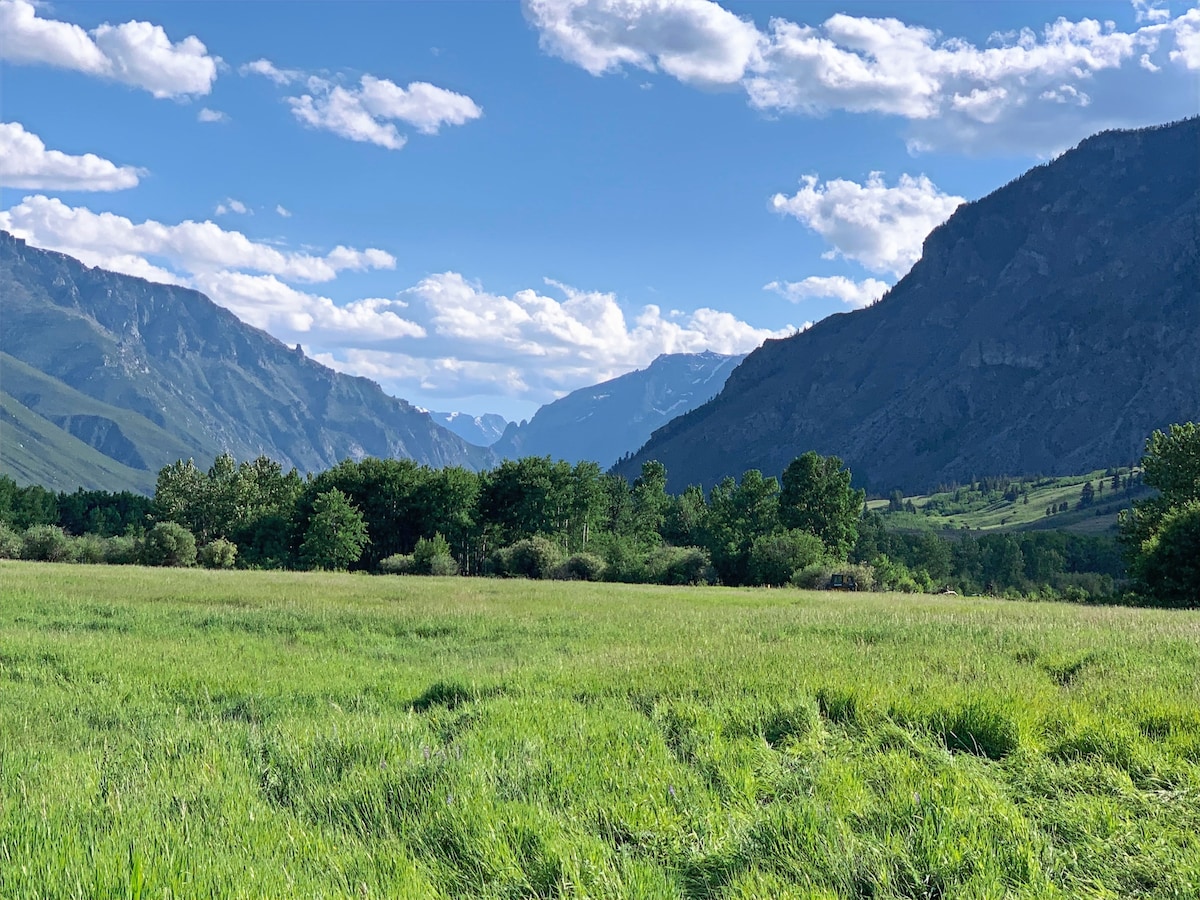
[484,205]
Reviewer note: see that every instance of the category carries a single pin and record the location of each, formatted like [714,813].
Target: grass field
[978,512]
[186,734]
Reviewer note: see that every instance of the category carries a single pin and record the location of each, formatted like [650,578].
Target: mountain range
[604,422]
[1047,328]
[105,378]
[482,430]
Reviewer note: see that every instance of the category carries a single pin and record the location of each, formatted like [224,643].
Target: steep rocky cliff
[1048,327]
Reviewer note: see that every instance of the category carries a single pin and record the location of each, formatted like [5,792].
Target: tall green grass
[172,733]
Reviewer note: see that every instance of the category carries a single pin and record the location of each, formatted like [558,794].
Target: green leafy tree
[817,498]
[650,503]
[1159,532]
[1168,563]
[336,534]
[739,512]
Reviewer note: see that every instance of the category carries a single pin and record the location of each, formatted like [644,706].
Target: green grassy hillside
[36,451]
[1019,504]
[62,438]
[216,734]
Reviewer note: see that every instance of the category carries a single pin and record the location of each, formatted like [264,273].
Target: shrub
[623,561]
[10,543]
[218,554]
[774,557]
[89,548]
[122,551]
[432,557]
[46,543]
[169,544]
[893,575]
[534,557]
[443,565]
[580,567]
[680,565]
[397,564]
[815,577]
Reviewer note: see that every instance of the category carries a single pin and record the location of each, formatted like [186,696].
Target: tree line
[536,517]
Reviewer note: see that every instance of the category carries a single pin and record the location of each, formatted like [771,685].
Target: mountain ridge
[603,422]
[193,370]
[1047,328]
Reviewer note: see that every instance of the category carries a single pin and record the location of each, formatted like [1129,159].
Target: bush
[397,564]
[680,565]
[89,548]
[815,577]
[623,561]
[218,554]
[122,551]
[534,557]
[10,543]
[580,567]
[432,557]
[169,544]
[46,543]
[774,557]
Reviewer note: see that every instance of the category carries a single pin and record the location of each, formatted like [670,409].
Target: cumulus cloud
[268,303]
[232,206]
[211,115]
[369,112]
[135,53]
[693,40]
[444,335]
[268,69]
[105,239]
[534,345]
[26,163]
[282,211]
[1033,91]
[244,276]
[879,226]
[856,294]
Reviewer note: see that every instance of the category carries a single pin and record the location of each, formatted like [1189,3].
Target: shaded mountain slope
[606,421]
[196,373]
[1047,328]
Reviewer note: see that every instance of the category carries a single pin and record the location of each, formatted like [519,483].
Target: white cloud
[267,69]
[1008,95]
[105,239]
[26,163]
[235,272]
[1187,40]
[856,294]
[879,226]
[134,53]
[534,345]
[285,213]
[211,115]
[232,206]
[267,303]
[369,112]
[692,40]
[1151,11]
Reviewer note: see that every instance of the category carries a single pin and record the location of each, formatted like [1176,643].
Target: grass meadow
[193,734]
